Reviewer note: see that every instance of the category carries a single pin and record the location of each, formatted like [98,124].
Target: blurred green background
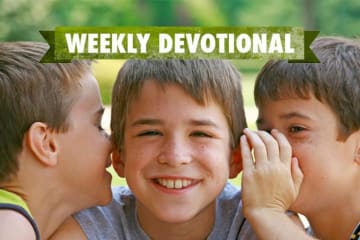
[21,20]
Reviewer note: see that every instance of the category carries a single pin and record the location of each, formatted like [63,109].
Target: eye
[296,129]
[149,133]
[200,134]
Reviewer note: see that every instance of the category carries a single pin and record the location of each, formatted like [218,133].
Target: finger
[258,146]
[297,174]
[247,159]
[271,145]
[285,151]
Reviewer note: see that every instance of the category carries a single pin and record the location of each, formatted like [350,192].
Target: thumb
[297,174]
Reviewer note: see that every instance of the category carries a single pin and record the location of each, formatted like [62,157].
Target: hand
[273,180]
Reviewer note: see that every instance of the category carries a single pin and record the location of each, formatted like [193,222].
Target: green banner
[67,43]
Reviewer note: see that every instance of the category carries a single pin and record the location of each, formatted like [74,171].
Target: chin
[175,217]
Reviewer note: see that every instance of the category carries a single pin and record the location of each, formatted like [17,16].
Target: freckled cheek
[213,156]
[138,157]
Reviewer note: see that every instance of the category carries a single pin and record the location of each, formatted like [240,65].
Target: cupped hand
[271,177]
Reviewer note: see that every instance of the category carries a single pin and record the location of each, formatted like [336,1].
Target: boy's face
[328,164]
[85,148]
[176,154]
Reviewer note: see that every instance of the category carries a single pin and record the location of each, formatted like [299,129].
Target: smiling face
[85,149]
[176,154]
[330,171]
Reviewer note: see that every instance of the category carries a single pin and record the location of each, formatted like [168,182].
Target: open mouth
[175,183]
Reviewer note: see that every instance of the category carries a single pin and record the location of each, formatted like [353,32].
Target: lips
[175,183]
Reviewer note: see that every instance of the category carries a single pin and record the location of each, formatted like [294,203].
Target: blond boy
[176,125]
[53,151]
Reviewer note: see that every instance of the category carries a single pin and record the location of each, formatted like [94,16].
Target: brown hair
[334,81]
[32,92]
[202,79]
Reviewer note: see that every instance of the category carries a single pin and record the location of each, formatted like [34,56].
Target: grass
[106,71]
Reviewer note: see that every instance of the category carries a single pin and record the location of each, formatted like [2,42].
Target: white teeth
[169,184]
[174,183]
[178,183]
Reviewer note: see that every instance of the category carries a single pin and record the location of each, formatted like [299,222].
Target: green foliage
[22,19]
[105,72]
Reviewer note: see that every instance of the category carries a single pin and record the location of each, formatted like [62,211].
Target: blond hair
[32,92]
[201,79]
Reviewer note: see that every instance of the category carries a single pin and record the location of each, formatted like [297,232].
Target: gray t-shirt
[118,219]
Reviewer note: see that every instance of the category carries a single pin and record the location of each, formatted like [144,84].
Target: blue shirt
[118,219]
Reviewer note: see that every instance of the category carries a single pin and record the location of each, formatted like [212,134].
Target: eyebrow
[285,116]
[203,122]
[294,115]
[146,121]
[152,121]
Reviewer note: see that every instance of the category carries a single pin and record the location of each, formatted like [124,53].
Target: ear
[236,163]
[41,141]
[118,163]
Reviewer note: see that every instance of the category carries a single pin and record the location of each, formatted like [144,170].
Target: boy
[317,107]
[50,121]
[176,126]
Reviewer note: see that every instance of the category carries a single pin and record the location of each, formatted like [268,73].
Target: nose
[175,152]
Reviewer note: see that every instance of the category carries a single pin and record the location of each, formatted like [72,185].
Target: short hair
[201,79]
[32,92]
[334,81]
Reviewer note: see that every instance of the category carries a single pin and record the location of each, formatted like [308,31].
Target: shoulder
[229,219]
[229,200]
[230,193]
[70,229]
[122,193]
[110,221]
[122,199]
[10,220]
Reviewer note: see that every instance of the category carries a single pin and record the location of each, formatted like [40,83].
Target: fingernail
[295,161]
[243,138]
[274,130]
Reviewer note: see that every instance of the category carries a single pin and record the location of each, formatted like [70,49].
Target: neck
[47,204]
[49,212]
[198,228]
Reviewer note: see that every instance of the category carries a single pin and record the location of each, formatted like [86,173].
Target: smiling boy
[176,126]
